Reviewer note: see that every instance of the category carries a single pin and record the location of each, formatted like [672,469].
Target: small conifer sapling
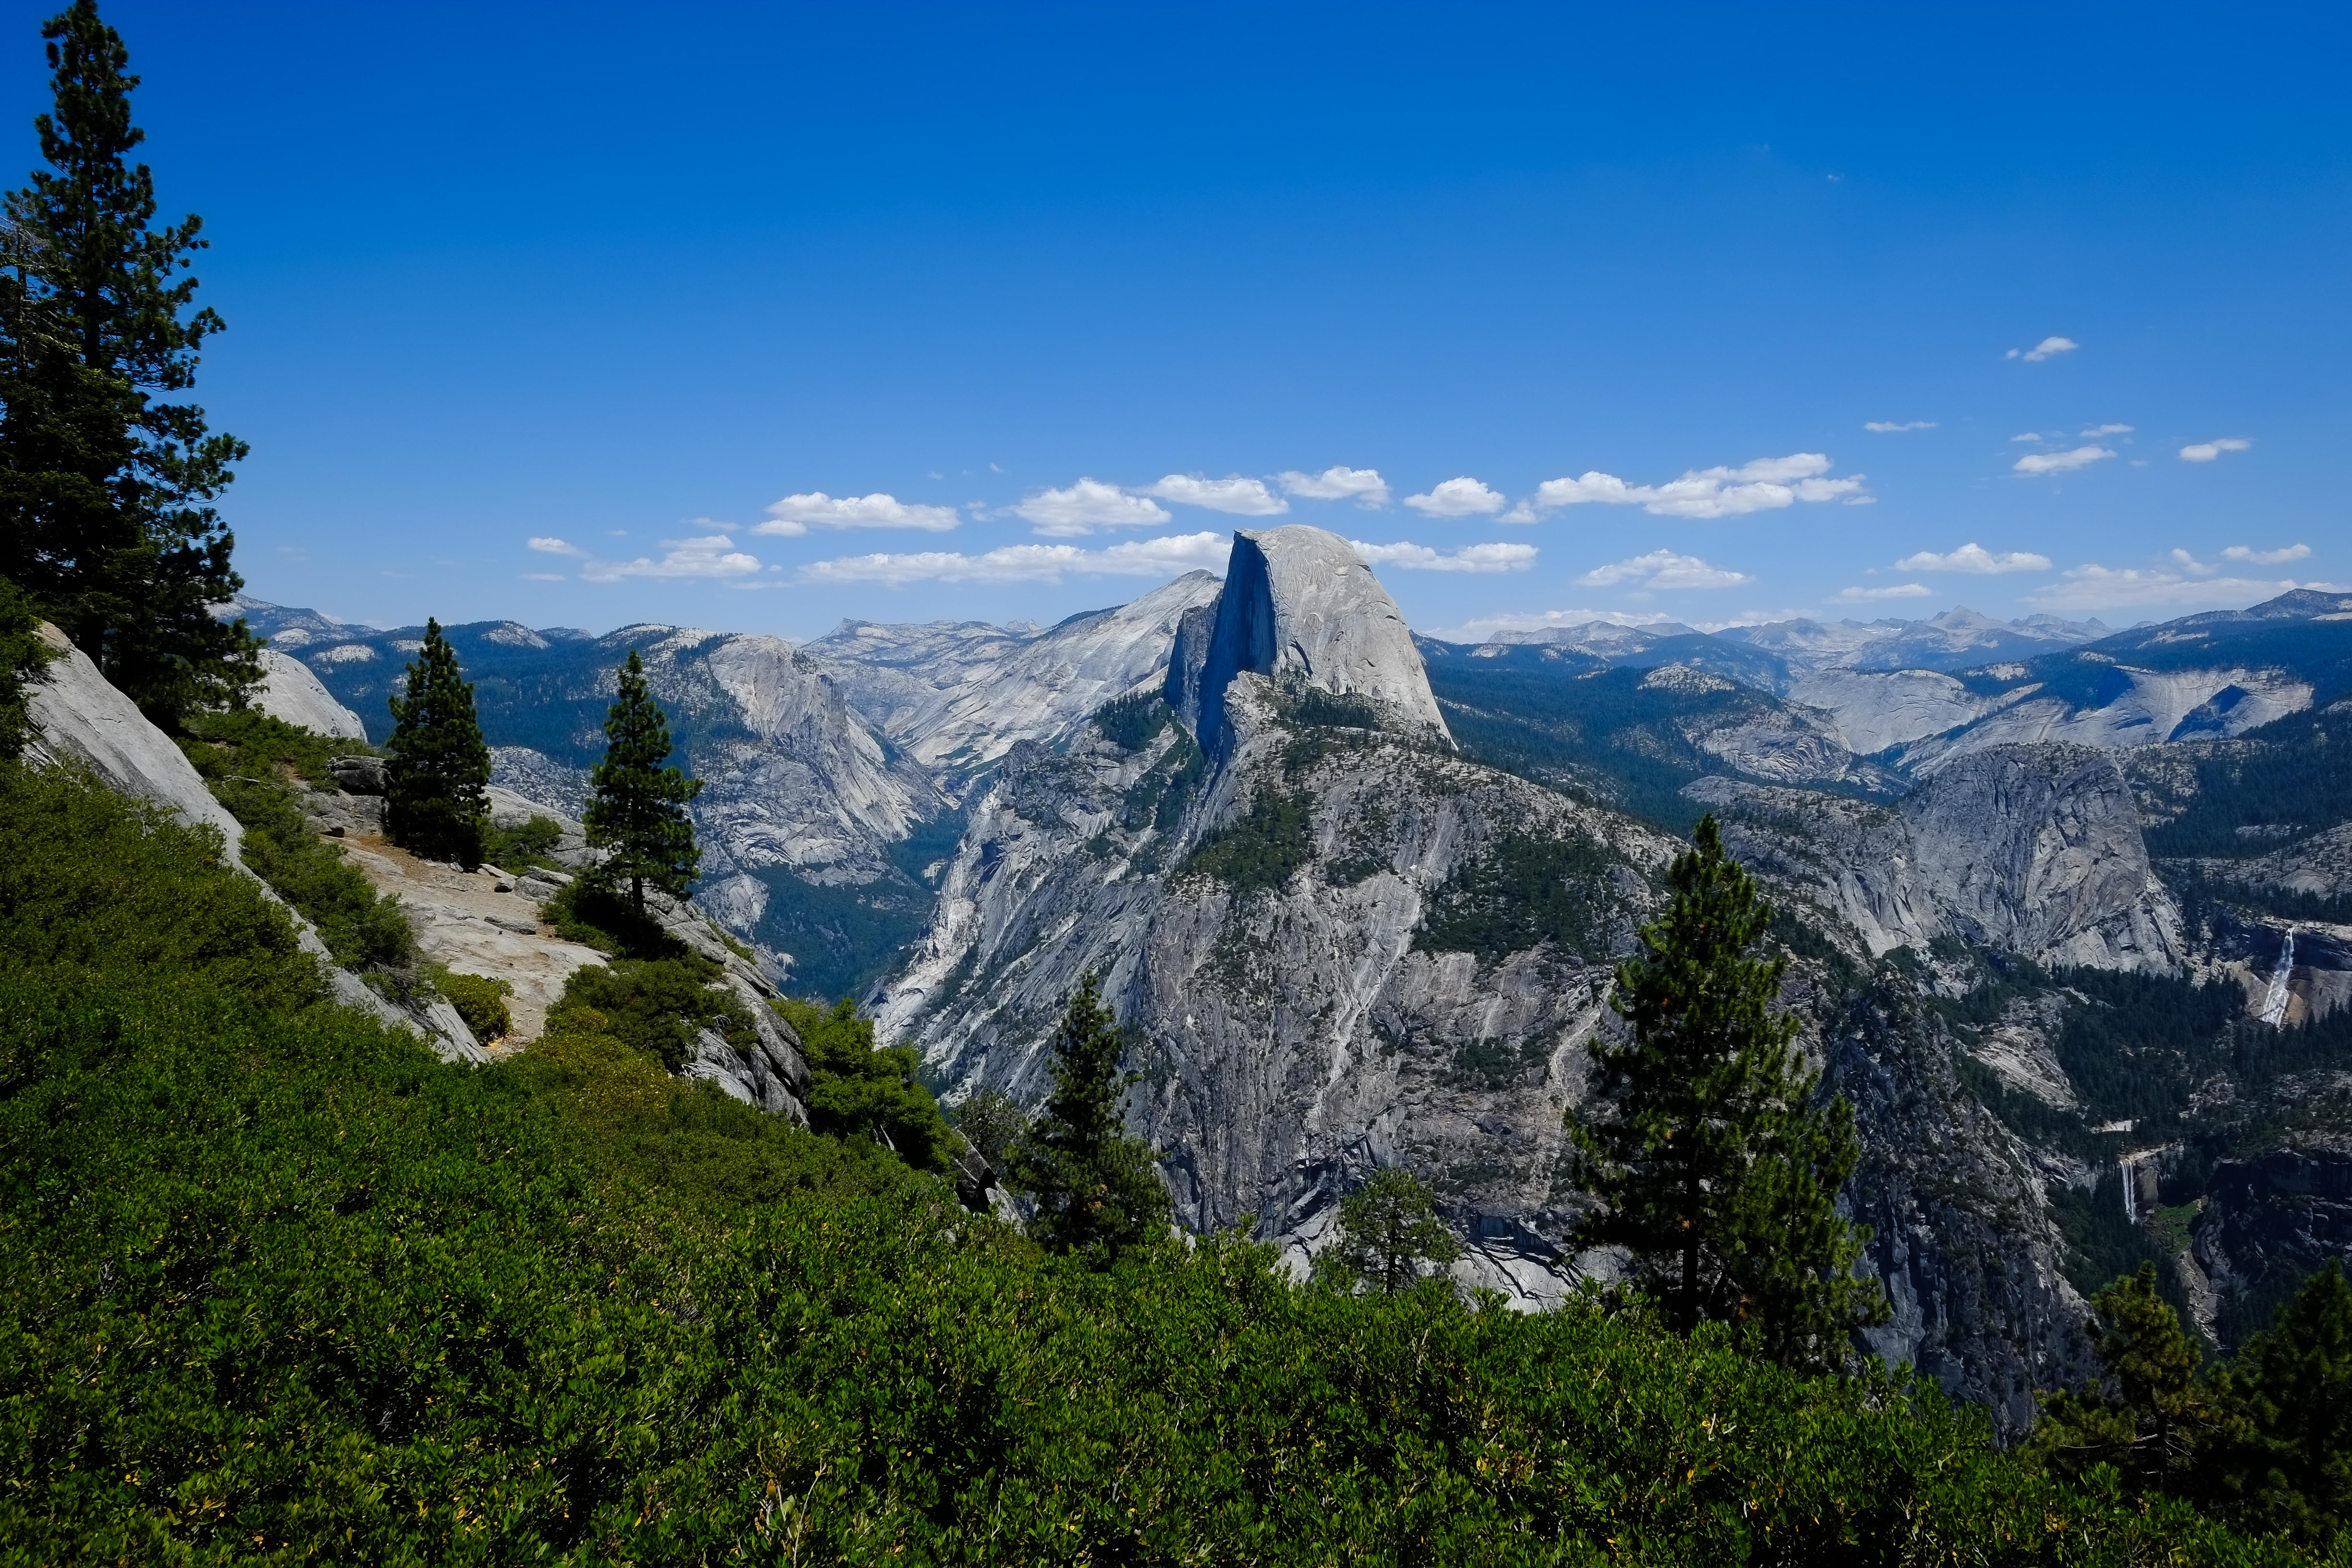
[435,799]
[1388,1231]
[1097,1191]
[637,809]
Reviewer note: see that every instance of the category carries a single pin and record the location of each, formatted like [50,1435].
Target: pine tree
[2294,1384]
[1097,1191]
[1712,1164]
[2162,1420]
[434,801]
[1388,1229]
[637,808]
[105,493]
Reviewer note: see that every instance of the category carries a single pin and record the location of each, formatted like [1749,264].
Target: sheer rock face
[1300,606]
[2036,849]
[290,691]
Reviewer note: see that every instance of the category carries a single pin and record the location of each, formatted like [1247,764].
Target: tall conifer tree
[638,809]
[106,493]
[1097,1191]
[1713,1167]
[437,803]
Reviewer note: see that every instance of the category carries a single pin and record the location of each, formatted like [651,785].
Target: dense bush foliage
[659,1004]
[279,1286]
[528,843]
[21,655]
[479,1000]
[857,1091]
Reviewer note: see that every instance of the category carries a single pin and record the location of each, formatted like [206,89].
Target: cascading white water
[2275,999]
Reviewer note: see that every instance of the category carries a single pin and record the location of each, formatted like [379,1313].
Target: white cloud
[2267,557]
[2095,587]
[2027,435]
[2206,451]
[2034,463]
[2190,564]
[1469,558]
[1892,590]
[1764,485]
[710,555]
[1030,563]
[795,515]
[2108,430]
[544,577]
[1086,506]
[1974,557]
[1463,496]
[1894,427]
[1663,569]
[2048,348]
[1364,486]
[549,546]
[1244,498]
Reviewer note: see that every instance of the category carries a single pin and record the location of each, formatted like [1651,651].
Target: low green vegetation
[279,1285]
[528,843]
[22,655]
[857,1091]
[1130,722]
[252,762]
[658,1006]
[479,1000]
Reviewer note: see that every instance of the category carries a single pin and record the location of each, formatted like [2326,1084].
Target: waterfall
[2274,1000]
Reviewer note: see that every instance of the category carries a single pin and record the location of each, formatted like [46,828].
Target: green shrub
[479,1000]
[248,741]
[21,655]
[857,1091]
[528,844]
[593,915]
[659,1004]
[363,929]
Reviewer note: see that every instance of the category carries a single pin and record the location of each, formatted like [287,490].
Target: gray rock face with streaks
[1300,604]
[2036,849]
[957,698]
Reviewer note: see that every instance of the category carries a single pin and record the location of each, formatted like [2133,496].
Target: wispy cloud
[2027,435]
[2095,587]
[795,515]
[707,555]
[2097,430]
[1764,485]
[1364,486]
[2267,557]
[1029,562]
[2048,348]
[2206,451]
[1463,496]
[1086,506]
[2036,463]
[1242,498]
[1974,557]
[1892,590]
[548,546]
[1896,427]
[545,577]
[1469,558]
[1663,569]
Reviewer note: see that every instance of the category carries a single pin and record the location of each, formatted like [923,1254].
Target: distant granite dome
[1299,603]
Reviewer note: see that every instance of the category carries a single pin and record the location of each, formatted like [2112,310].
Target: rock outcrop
[1299,606]
[290,691]
[2036,849]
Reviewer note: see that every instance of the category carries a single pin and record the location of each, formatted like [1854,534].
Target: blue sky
[1607,300]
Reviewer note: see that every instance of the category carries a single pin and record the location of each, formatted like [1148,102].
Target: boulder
[290,691]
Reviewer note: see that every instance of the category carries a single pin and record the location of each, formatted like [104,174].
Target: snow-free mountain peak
[1299,605]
